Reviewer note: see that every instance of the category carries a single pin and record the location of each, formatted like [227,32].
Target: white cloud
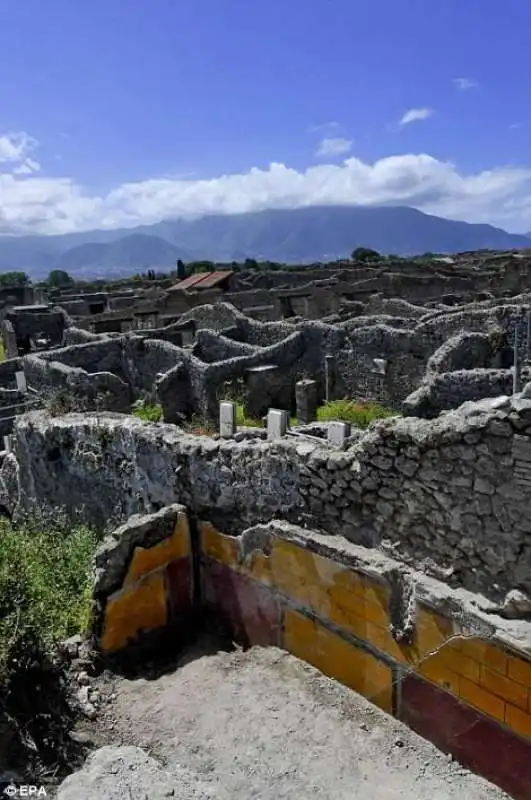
[31,203]
[324,127]
[464,84]
[331,147]
[17,149]
[416,115]
[28,167]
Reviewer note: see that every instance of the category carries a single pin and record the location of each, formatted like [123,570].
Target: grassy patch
[242,420]
[147,412]
[357,413]
[200,426]
[2,351]
[45,589]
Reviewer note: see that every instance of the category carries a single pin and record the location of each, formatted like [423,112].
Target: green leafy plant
[148,412]
[45,588]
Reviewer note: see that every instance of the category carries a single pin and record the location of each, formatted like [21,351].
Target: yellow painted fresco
[481,651]
[217,546]
[303,576]
[519,721]
[481,699]
[435,671]
[257,566]
[460,663]
[504,687]
[141,607]
[336,658]
[519,670]
[146,560]
[478,672]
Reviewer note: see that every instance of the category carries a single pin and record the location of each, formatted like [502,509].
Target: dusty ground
[260,724]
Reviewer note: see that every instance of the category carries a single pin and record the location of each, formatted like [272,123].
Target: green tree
[59,279]
[200,266]
[365,254]
[14,279]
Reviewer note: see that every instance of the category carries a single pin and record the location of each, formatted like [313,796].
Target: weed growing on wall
[200,426]
[360,414]
[45,589]
[147,412]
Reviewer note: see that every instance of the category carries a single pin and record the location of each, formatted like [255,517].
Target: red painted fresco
[475,741]
[179,587]
[250,609]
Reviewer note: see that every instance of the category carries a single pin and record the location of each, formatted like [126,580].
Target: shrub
[45,589]
[358,413]
[365,254]
[147,412]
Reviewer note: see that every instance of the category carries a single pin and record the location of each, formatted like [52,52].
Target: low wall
[415,648]
[447,390]
[449,496]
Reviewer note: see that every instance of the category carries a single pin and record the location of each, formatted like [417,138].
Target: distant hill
[317,233]
[328,232]
[132,251]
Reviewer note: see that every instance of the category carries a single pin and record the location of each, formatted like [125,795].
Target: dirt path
[262,724]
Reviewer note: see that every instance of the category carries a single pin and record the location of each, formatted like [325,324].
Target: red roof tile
[202,280]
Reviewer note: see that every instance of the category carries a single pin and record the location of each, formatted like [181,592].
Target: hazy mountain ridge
[291,235]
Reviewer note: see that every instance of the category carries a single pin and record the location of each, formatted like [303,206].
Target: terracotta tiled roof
[202,280]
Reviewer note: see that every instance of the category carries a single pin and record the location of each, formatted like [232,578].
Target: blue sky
[114,113]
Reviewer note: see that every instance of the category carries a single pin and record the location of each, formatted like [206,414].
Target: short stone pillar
[306,401]
[338,433]
[21,381]
[227,419]
[8,443]
[9,339]
[187,337]
[379,366]
[277,424]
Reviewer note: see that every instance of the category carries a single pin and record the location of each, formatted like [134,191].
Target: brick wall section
[469,695]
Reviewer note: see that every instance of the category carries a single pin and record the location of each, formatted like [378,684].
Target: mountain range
[304,235]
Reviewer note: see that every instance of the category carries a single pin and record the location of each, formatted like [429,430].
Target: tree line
[60,279]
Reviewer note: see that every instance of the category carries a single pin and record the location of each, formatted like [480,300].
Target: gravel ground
[259,724]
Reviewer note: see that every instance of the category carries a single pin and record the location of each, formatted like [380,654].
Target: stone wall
[448,389]
[449,495]
[420,366]
[66,388]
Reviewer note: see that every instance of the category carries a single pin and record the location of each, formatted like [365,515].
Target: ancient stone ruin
[396,559]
